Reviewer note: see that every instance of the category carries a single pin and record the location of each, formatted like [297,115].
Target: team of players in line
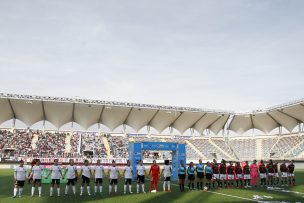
[223,175]
[216,175]
[97,172]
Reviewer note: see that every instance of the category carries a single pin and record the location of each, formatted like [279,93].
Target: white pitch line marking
[233,196]
[218,193]
[283,190]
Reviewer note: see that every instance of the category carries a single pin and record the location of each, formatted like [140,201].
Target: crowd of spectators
[92,145]
[34,143]
[50,144]
[74,142]
[16,143]
[119,146]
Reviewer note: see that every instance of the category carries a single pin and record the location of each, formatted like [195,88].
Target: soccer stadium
[151,101]
[205,134]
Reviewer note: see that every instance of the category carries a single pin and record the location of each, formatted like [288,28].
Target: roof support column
[148,129]
[13,111]
[227,125]
[73,116]
[124,127]
[14,123]
[43,125]
[192,131]
[204,132]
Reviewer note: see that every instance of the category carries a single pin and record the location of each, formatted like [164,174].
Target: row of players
[243,175]
[86,173]
[218,175]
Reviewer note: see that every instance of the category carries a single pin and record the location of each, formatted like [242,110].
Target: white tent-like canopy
[59,111]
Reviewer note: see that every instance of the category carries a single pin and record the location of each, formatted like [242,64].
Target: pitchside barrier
[178,154]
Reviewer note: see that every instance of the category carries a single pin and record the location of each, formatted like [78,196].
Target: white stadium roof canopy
[59,111]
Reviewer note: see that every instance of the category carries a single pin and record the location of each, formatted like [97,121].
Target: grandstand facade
[205,132]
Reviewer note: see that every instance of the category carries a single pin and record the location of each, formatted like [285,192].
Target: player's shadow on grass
[105,197]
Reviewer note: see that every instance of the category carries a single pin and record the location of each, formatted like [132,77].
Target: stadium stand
[34,143]
[16,143]
[119,146]
[245,149]
[50,144]
[208,150]
[31,109]
[267,145]
[284,144]
[74,142]
[92,145]
[225,148]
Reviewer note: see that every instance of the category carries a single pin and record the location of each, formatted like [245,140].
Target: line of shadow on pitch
[104,197]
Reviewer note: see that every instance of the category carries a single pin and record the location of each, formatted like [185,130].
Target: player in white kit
[36,175]
[128,174]
[167,175]
[85,174]
[71,170]
[19,176]
[114,175]
[140,172]
[98,176]
[56,174]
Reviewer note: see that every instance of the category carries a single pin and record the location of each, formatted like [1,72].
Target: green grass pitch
[291,194]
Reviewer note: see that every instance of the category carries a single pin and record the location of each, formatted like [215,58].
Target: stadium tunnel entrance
[178,153]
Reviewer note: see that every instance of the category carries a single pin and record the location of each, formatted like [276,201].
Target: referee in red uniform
[154,173]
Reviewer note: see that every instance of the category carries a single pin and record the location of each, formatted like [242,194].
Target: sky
[234,55]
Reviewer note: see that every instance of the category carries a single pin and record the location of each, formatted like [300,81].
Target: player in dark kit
[291,175]
[271,173]
[239,174]
[222,170]
[276,172]
[284,174]
[263,173]
[216,174]
[246,174]
[230,171]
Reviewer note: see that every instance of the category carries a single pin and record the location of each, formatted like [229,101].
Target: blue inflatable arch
[178,154]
